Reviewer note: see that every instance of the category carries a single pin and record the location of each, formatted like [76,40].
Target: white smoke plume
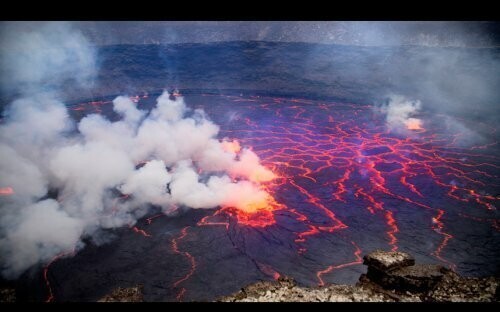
[400,113]
[167,157]
[33,55]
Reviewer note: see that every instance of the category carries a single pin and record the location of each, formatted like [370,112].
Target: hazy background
[371,33]
[452,67]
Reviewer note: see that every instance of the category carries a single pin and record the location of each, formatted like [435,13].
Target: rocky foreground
[391,277]
[131,294]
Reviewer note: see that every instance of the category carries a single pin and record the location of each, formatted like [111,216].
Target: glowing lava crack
[338,182]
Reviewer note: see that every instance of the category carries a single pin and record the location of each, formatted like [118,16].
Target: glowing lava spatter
[259,214]
[414,124]
[4,191]
[254,213]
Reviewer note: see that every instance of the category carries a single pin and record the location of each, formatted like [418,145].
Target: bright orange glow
[257,218]
[414,124]
[255,212]
[262,175]
[255,206]
[231,146]
[6,191]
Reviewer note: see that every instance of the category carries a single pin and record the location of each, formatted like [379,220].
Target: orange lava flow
[393,230]
[191,259]
[357,255]
[438,227]
[5,191]
[139,231]
[259,214]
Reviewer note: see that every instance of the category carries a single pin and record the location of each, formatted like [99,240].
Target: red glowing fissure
[293,150]
[329,269]
[50,296]
[189,257]
[301,153]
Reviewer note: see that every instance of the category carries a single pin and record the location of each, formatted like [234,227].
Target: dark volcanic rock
[454,288]
[392,276]
[132,294]
[388,260]
[397,270]
[286,289]
[418,277]
[7,295]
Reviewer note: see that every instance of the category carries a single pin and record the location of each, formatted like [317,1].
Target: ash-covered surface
[340,184]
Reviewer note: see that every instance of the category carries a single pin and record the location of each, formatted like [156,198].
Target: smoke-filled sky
[370,33]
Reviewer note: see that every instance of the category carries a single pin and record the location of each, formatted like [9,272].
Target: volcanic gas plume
[169,156]
[399,113]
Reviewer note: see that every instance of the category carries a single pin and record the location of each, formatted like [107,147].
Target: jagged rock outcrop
[131,294]
[397,270]
[391,276]
[7,295]
[387,260]
[286,290]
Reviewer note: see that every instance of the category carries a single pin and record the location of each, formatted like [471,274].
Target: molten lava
[257,214]
[413,124]
[332,172]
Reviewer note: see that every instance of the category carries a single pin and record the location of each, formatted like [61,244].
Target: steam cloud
[399,113]
[48,55]
[169,156]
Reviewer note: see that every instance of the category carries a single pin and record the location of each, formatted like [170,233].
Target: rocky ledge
[131,294]
[391,276]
